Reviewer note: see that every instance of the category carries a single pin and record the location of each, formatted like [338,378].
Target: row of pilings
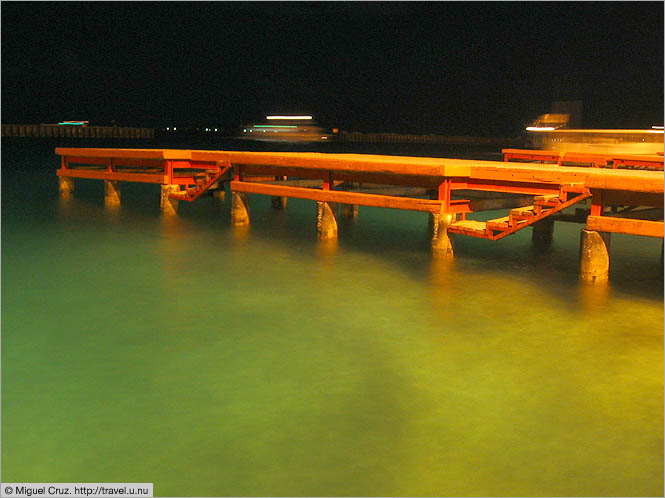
[66,131]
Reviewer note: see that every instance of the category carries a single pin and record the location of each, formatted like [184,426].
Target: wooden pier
[622,200]
[409,138]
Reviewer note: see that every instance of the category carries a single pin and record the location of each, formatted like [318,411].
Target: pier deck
[626,201]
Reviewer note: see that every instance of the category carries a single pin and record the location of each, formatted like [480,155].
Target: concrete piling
[326,220]
[442,241]
[278,202]
[66,187]
[239,208]
[543,232]
[594,256]
[349,211]
[169,206]
[219,195]
[111,193]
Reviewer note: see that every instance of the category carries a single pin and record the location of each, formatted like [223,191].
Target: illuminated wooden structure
[451,190]
[613,160]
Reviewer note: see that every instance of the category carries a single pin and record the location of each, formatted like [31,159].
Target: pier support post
[278,202]
[169,206]
[66,187]
[111,193]
[594,256]
[349,211]
[442,244]
[326,220]
[219,195]
[239,208]
[543,231]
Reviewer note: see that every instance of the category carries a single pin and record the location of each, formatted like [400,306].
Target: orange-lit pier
[622,200]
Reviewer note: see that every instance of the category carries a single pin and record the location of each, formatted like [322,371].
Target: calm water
[214,361]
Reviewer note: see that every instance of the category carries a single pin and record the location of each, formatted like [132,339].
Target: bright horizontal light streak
[275,126]
[73,123]
[657,127]
[288,117]
[540,128]
[655,131]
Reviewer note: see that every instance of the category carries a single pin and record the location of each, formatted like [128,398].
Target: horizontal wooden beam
[625,225]
[389,165]
[106,175]
[74,152]
[409,204]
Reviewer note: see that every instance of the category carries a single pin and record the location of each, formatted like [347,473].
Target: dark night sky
[460,68]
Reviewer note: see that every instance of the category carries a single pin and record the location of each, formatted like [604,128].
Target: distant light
[288,117]
[540,128]
[168,129]
[174,128]
[207,129]
[244,130]
[215,129]
[275,126]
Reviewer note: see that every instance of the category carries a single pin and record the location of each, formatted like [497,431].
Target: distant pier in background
[620,195]
[405,138]
[69,131]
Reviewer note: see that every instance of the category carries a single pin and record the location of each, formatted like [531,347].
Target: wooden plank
[549,174]
[625,225]
[469,227]
[625,180]
[390,165]
[105,175]
[72,152]
[427,205]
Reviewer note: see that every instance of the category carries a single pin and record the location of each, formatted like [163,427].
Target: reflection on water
[327,249]
[276,364]
[594,296]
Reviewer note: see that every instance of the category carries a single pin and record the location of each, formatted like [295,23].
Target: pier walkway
[628,201]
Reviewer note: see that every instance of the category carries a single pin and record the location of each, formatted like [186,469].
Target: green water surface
[214,361]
